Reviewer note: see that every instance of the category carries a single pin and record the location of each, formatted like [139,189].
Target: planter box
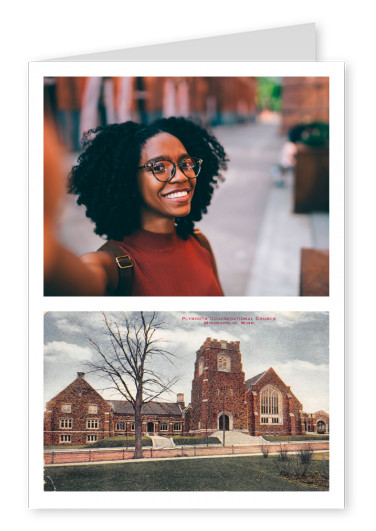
[314,273]
[311,186]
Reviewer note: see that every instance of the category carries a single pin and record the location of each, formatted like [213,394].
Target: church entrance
[227,422]
[150,427]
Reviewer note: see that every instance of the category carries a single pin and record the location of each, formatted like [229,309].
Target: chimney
[180,400]
[80,374]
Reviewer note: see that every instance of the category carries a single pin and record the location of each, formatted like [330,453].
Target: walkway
[161,442]
[102,456]
[238,438]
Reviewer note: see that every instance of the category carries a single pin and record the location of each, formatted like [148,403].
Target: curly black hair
[105,176]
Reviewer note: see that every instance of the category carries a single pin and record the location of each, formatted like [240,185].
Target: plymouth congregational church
[221,398]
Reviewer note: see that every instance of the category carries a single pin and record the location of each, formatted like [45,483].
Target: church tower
[218,388]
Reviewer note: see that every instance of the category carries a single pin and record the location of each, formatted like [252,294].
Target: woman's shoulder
[202,239]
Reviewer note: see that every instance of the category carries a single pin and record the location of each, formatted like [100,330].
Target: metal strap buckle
[124,266]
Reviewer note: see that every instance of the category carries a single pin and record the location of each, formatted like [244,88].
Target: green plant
[119,441]
[315,134]
[187,441]
[265,451]
[304,459]
[282,455]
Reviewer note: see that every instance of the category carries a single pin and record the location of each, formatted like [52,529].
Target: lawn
[120,441]
[219,474]
[289,438]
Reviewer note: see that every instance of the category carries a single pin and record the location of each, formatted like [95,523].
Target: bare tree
[127,362]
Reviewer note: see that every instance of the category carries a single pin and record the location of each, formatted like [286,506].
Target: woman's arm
[64,272]
[67,274]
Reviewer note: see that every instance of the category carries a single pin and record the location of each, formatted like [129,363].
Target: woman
[144,187]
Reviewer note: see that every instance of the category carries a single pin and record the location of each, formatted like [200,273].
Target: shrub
[184,441]
[282,456]
[304,459]
[265,450]
[118,442]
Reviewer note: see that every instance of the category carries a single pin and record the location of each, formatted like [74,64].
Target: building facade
[221,399]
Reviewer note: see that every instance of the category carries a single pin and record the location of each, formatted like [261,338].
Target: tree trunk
[138,428]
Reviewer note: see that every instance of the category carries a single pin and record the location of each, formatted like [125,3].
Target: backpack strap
[125,268]
[204,242]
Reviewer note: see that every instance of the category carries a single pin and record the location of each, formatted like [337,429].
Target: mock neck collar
[152,241]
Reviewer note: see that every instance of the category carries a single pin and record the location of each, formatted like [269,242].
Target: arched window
[270,406]
[201,364]
[224,363]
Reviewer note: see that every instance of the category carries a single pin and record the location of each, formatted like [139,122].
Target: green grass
[119,441]
[221,474]
[288,438]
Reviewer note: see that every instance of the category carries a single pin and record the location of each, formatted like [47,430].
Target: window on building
[65,439]
[133,426]
[92,424]
[91,438]
[271,406]
[120,426]
[93,409]
[163,426]
[224,363]
[66,424]
[66,408]
[178,426]
[201,364]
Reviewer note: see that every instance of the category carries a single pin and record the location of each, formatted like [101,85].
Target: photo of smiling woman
[144,187]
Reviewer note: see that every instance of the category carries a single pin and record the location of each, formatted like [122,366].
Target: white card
[254,55]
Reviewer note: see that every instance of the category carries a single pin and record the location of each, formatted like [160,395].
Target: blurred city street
[254,234]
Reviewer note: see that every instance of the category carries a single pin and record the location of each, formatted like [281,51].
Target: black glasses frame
[150,166]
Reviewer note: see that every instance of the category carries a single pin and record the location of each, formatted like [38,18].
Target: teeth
[177,194]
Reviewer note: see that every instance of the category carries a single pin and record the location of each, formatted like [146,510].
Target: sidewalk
[102,456]
[276,265]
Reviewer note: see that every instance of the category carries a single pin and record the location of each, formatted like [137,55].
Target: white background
[40,30]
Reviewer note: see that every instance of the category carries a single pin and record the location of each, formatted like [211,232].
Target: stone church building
[221,399]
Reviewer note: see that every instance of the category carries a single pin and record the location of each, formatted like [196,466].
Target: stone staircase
[161,442]
[238,438]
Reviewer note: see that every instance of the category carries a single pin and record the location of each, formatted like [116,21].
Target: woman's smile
[179,195]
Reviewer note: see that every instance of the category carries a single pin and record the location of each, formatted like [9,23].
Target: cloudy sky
[295,344]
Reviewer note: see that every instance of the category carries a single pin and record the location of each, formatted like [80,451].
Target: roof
[123,407]
[79,386]
[252,381]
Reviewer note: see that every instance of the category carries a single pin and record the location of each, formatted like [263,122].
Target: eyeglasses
[165,170]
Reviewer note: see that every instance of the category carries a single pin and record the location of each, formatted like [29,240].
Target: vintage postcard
[163,402]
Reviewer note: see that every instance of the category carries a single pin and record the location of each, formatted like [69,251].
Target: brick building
[80,415]
[221,398]
[316,422]
[77,415]
[262,405]
[304,100]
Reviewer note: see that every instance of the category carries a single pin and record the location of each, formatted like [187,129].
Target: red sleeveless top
[166,265]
